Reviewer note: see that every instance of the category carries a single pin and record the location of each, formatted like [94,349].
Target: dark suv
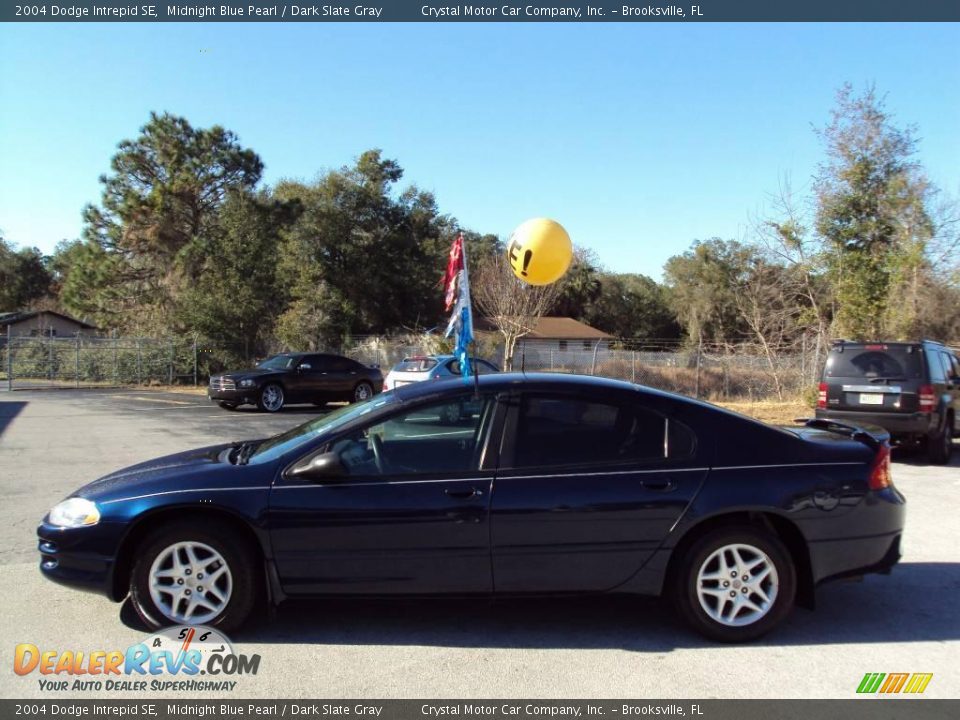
[911,389]
[296,378]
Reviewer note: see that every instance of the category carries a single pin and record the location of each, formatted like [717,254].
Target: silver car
[432,367]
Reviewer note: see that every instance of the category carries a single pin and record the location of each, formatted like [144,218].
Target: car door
[588,488]
[410,514]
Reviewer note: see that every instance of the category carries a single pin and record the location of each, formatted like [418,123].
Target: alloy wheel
[737,585]
[362,392]
[190,582]
[272,398]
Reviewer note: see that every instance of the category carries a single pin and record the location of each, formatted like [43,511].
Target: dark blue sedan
[506,485]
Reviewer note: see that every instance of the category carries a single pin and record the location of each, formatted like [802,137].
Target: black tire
[362,391]
[227,405]
[240,559]
[686,587]
[267,399]
[940,446]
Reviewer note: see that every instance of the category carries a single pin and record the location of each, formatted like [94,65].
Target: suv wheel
[940,446]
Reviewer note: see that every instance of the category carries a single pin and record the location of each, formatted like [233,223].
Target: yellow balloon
[540,251]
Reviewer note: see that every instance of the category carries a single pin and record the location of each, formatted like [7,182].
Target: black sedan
[296,378]
[536,485]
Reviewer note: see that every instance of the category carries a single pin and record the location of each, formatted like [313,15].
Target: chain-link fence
[81,361]
[729,372]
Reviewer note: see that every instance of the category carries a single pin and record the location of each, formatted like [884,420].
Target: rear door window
[894,362]
[415,365]
[558,431]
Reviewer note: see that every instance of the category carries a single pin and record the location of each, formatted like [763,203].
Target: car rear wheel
[271,398]
[228,405]
[188,575]
[363,391]
[735,584]
[940,446]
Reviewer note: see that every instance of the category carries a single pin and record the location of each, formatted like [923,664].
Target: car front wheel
[363,391]
[735,584]
[186,575]
[271,398]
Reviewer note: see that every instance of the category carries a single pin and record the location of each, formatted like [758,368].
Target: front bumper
[896,424]
[240,396]
[80,558]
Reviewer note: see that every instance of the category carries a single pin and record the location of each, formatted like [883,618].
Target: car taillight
[880,472]
[385,386]
[927,398]
[822,395]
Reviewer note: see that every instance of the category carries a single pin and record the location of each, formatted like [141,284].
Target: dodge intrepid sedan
[534,485]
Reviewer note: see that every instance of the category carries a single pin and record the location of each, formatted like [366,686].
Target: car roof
[525,380]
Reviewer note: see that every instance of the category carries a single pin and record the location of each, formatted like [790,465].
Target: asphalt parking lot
[54,441]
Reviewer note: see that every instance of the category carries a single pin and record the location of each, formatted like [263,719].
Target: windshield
[283,443]
[875,361]
[277,362]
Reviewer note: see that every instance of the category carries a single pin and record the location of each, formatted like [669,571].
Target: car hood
[185,470]
[252,372]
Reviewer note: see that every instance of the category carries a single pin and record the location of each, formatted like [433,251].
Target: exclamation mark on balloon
[526,261]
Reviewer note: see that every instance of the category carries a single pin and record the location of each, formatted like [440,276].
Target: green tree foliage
[24,277]
[158,213]
[363,259]
[702,282]
[234,303]
[632,306]
[871,213]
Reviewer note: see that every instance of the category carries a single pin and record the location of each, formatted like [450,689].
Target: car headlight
[74,512]
[247,383]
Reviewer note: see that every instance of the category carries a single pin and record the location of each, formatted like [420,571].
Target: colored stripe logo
[887,683]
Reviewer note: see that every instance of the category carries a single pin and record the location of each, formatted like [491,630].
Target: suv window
[955,366]
[875,361]
[937,374]
[556,430]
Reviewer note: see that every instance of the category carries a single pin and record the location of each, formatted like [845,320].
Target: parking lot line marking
[156,400]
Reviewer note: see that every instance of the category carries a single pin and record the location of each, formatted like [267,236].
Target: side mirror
[325,466]
[304,366]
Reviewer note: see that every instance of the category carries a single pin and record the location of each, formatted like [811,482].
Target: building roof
[554,328]
[10,318]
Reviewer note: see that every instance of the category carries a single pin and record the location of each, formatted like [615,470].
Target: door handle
[660,484]
[463,494]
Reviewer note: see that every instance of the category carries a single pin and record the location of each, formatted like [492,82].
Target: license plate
[871,399]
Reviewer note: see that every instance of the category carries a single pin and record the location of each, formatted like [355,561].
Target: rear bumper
[896,424]
[878,523]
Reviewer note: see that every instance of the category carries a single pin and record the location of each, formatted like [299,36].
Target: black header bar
[433,11]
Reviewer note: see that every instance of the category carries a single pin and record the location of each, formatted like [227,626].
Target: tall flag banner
[457,294]
[454,265]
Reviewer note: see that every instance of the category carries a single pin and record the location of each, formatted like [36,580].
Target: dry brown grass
[770,411]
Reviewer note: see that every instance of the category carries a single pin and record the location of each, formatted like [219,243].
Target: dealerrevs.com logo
[888,683]
[188,658]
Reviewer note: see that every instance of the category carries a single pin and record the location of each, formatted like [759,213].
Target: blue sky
[638,137]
